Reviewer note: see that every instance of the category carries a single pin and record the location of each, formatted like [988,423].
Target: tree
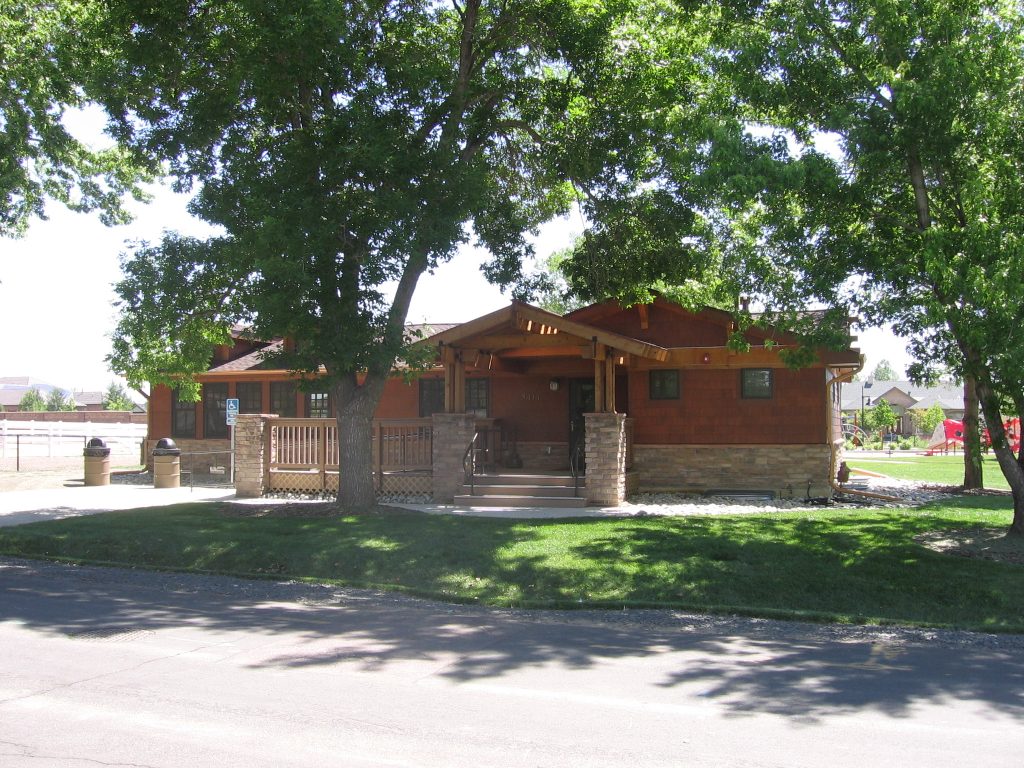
[59,400]
[44,62]
[884,372]
[927,419]
[921,198]
[116,398]
[339,146]
[32,400]
[880,417]
[549,286]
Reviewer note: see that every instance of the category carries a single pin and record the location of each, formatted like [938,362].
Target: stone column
[606,458]
[251,459]
[451,434]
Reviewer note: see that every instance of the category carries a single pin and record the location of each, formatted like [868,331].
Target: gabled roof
[949,397]
[520,322]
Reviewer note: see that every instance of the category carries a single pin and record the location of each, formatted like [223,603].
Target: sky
[57,300]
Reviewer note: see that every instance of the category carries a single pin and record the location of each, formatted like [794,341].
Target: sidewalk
[17,507]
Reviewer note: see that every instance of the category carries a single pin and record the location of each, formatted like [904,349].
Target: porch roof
[523,326]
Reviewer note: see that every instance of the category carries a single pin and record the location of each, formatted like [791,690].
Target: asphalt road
[122,668]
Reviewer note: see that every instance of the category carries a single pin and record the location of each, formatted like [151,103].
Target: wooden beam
[526,313]
[642,311]
[716,357]
[599,380]
[475,327]
[498,342]
[529,352]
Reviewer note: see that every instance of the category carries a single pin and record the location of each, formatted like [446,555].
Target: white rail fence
[50,439]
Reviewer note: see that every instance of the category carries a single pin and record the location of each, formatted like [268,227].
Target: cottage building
[647,398]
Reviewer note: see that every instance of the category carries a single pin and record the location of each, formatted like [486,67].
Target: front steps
[522,490]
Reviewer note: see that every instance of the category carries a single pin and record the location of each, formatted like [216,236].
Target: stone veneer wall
[251,459]
[452,433]
[784,469]
[606,458]
[535,456]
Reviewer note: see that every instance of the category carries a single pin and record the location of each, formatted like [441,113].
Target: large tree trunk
[356,405]
[973,474]
[1011,466]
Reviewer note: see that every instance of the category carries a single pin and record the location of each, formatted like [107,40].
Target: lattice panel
[296,482]
[407,483]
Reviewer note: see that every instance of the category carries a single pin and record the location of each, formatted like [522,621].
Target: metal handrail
[469,463]
[574,465]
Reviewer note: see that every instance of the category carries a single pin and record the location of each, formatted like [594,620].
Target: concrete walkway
[17,507]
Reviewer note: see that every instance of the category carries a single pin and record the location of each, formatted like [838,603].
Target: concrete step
[508,479]
[521,501]
[522,490]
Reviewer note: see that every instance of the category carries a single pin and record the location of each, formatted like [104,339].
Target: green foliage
[884,372]
[925,421]
[32,400]
[59,400]
[116,398]
[880,417]
[45,61]
[548,286]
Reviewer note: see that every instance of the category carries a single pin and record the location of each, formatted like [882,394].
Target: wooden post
[609,382]
[322,457]
[600,354]
[460,384]
[380,457]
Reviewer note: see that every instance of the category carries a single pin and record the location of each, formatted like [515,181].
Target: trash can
[166,464]
[97,462]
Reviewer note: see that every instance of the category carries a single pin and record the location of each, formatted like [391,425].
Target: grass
[941,470]
[849,566]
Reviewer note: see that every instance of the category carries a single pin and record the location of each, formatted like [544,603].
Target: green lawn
[860,565]
[941,470]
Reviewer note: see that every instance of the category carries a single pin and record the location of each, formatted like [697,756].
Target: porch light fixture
[553,385]
[706,358]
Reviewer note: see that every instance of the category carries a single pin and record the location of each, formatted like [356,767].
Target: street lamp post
[864,399]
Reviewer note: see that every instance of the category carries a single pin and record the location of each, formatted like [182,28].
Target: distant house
[904,397]
[656,382]
[88,401]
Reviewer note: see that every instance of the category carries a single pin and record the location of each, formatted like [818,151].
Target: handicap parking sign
[231,411]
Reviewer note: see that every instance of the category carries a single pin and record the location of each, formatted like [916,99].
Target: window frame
[429,402]
[276,399]
[215,408]
[653,391]
[245,401]
[179,410]
[478,390]
[746,393]
[324,408]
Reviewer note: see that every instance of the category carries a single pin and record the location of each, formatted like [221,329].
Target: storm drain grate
[110,634]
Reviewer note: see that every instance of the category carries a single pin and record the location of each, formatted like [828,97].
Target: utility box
[166,464]
[97,462]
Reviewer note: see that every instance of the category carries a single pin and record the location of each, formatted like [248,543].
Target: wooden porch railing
[303,453]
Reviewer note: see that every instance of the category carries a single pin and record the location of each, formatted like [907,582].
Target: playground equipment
[855,434]
[950,434]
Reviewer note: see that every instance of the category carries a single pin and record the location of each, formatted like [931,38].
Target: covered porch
[527,391]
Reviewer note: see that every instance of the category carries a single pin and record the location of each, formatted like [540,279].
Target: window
[282,398]
[215,410]
[664,385]
[431,397]
[756,383]
[318,405]
[183,417]
[478,398]
[250,397]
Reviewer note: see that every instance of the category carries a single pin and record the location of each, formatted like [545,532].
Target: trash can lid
[166,442]
[96,442]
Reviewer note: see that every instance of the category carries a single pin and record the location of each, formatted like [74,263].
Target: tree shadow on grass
[745,666]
